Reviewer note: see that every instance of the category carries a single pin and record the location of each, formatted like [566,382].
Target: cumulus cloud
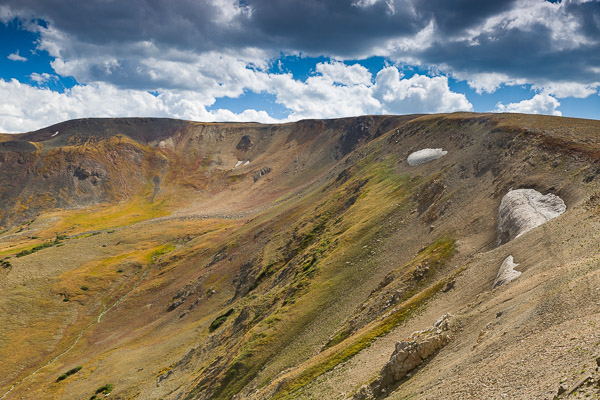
[568,89]
[539,104]
[42,78]
[193,52]
[487,43]
[32,107]
[335,90]
[338,90]
[531,41]
[16,57]
[344,74]
[419,94]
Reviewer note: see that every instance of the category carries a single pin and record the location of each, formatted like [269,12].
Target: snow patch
[425,155]
[54,134]
[506,273]
[237,164]
[522,210]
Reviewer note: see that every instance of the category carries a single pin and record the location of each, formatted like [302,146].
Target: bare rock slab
[522,210]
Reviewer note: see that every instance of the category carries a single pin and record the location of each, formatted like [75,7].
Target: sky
[285,60]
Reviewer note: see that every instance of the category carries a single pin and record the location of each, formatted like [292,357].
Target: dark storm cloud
[318,27]
[294,25]
[182,24]
[517,52]
[339,28]
[532,52]
[330,27]
[453,17]
[589,16]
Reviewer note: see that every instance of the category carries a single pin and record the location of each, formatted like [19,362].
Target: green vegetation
[105,390]
[42,246]
[348,213]
[159,251]
[115,215]
[5,264]
[436,254]
[338,337]
[343,354]
[68,373]
[35,249]
[220,320]
[264,274]
[84,287]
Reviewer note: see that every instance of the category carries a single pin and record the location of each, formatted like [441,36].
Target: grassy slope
[306,253]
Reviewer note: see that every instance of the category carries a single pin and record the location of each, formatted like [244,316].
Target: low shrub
[68,373]
[220,320]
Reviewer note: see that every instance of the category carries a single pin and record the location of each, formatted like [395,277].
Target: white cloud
[539,104]
[341,73]
[488,82]
[16,57]
[565,28]
[391,7]
[419,42]
[33,108]
[42,78]
[562,23]
[418,94]
[320,97]
[340,90]
[568,89]
[336,90]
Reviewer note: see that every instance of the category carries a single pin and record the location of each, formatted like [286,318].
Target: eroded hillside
[179,260]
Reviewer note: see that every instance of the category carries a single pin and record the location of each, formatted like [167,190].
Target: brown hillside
[182,260]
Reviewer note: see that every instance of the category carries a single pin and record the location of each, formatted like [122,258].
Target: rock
[175,304]
[425,155]
[364,393]
[244,144]
[407,356]
[506,273]
[562,389]
[580,383]
[522,210]
[420,272]
[261,172]
[448,286]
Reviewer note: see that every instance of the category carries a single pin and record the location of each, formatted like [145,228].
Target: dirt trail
[81,333]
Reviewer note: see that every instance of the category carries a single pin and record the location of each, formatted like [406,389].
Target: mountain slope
[173,259]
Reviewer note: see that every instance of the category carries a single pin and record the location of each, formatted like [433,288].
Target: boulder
[407,356]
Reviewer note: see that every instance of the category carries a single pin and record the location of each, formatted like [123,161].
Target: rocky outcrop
[522,210]
[506,273]
[407,356]
[261,173]
[244,144]
[425,155]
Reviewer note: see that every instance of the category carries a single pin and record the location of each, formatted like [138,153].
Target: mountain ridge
[292,275]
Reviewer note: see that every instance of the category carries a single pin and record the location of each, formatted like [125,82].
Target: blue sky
[284,60]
